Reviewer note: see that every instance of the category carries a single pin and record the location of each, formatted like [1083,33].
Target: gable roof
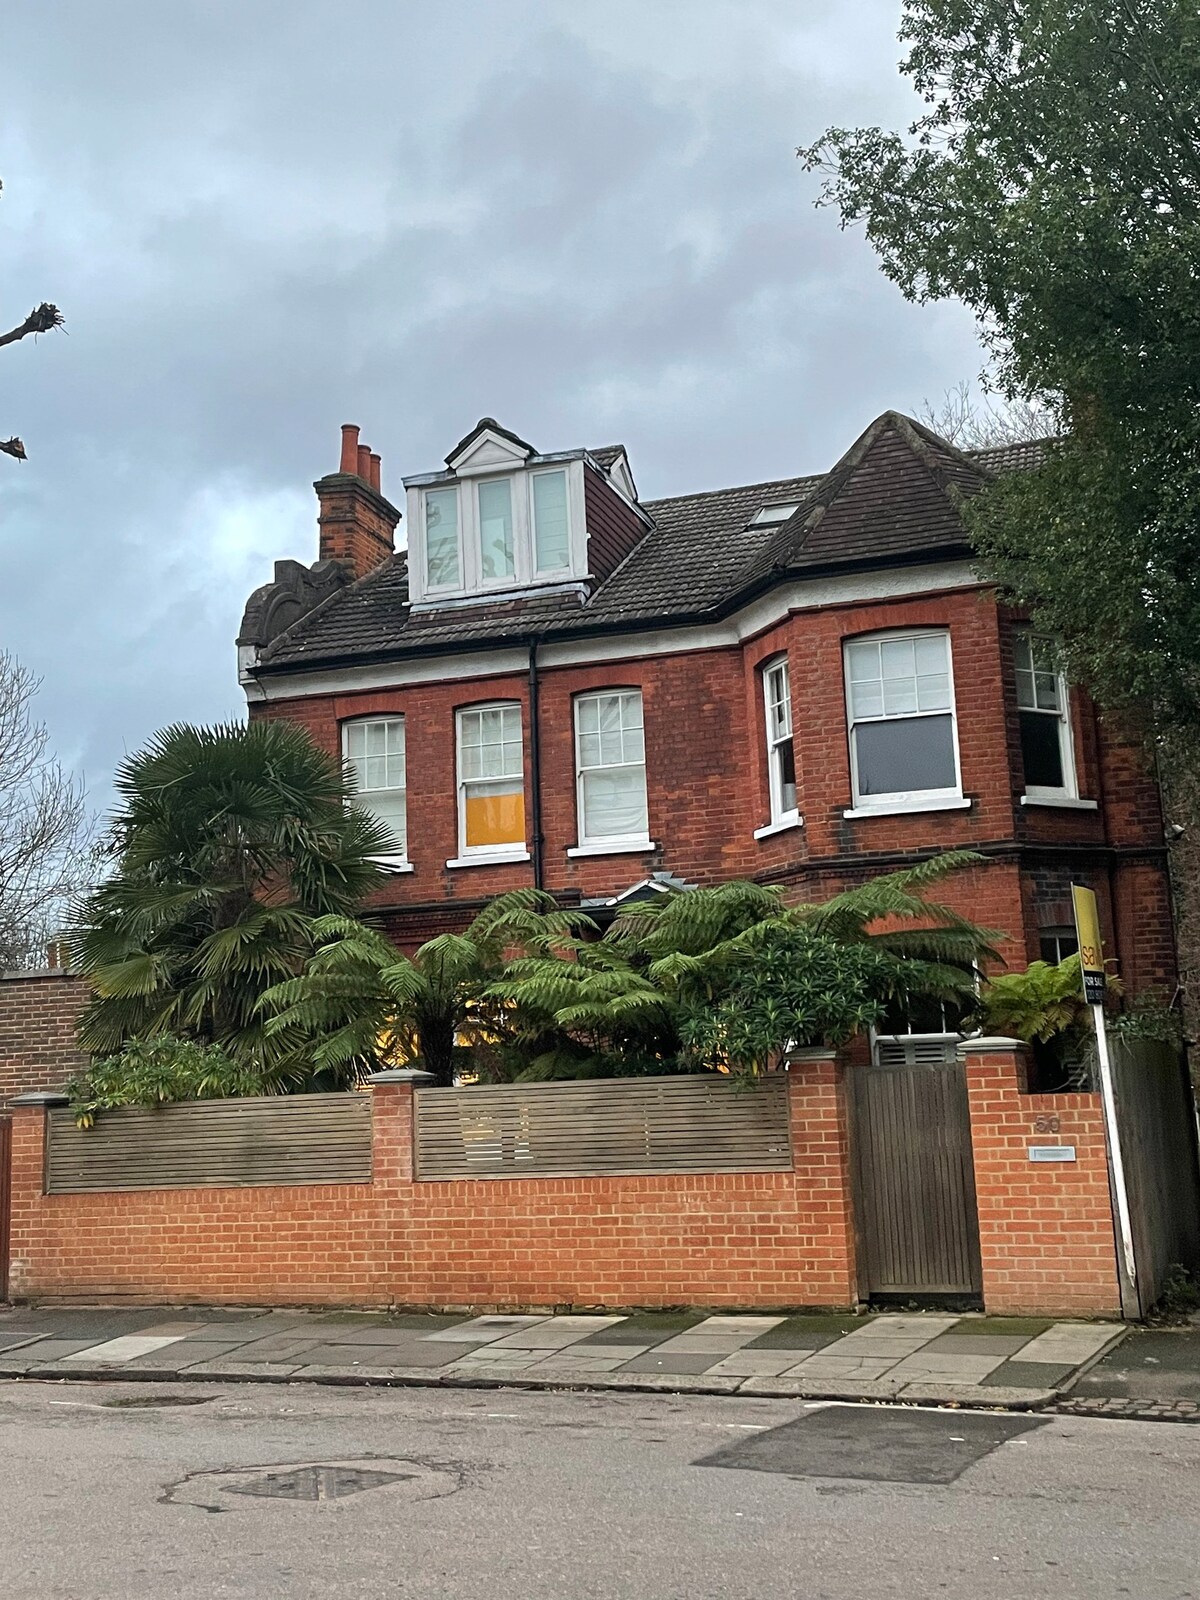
[892,500]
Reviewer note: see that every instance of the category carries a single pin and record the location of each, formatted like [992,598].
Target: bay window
[610,757]
[781,756]
[491,783]
[900,709]
[373,750]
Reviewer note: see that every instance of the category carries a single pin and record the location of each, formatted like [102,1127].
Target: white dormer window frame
[522,482]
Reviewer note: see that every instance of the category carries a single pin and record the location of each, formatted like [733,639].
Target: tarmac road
[301,1491]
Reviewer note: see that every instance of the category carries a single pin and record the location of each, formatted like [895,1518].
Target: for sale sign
[1091,951]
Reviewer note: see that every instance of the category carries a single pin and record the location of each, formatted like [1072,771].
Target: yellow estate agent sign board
[1091,952]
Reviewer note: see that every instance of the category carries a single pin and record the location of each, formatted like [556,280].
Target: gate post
[1046,1238]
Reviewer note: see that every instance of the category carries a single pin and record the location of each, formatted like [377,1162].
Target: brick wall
[707,785]
[1045,1228]
[710,1239]
[38,1014]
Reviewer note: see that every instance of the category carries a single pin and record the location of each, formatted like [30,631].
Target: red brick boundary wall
[39,1011]
[765,1239]
[1045,1227]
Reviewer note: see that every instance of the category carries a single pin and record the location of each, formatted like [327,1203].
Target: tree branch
[42,319]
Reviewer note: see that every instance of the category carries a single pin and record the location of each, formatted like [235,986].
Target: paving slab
[481,1330]
[376,1355]
[1074,1342]
[555,1333]
[924,1368]
[677,1361]
[1023,1374]
[977,1344]
[760,1363]
[842,1370]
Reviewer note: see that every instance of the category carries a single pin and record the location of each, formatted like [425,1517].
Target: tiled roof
[890,501]
[607,454]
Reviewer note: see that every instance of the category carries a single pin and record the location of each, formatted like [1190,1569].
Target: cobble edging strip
[1131,1410]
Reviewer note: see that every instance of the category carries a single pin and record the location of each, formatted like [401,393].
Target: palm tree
[360,1003]
[229,843]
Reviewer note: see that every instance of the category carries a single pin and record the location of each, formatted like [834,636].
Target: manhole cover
[316,1483]
[309,1482]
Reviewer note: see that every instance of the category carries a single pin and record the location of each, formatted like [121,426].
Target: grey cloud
[266,218]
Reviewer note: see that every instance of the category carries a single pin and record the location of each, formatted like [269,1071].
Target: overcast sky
[265,219]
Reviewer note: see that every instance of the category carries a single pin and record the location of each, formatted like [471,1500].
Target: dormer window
[483,535]
[502,519]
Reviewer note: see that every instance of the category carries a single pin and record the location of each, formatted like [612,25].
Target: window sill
[495,858]
[618,847]
[791,819]
[393,863]
[1062,802]
[901,808]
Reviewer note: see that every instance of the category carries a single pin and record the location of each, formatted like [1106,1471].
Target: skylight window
[778,513]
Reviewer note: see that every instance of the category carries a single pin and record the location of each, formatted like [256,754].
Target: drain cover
[315,1483]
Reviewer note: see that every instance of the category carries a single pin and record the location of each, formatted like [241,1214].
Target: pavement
[1152,1375]
[918,1357]
[123,1491]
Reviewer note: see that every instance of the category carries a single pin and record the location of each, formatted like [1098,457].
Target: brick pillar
[29,1269]
[1046,1235]
[821,1157]
[392,1173]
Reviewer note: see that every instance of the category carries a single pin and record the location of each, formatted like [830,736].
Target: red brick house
[802,682]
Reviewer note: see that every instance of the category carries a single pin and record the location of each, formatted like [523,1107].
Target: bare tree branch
[47,835]
[975,425]
[42,319]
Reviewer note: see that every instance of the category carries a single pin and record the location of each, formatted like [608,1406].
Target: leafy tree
[155,1072]
[360,1004]
[1053,185]
[229,843]
[46,831]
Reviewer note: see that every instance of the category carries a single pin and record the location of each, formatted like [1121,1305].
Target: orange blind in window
[495,818]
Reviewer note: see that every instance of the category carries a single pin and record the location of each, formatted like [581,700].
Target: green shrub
[154,1072]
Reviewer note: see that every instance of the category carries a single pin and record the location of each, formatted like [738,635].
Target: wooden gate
[917,1223]
[5,1200]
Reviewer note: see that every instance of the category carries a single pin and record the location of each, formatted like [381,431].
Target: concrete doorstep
[914,1358]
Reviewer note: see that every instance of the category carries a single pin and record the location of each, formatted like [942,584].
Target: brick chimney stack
[357,525]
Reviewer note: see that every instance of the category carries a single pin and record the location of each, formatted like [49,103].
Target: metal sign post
[1091,959]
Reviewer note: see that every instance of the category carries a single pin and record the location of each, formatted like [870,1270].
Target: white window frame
[773,670]
[526,573]
[1068,790]
[442,588]
[481,855]
[398,860]
[943,799]
[607,844]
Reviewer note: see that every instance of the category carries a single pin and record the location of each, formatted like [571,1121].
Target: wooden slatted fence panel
[311,1138]
[607,1128]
